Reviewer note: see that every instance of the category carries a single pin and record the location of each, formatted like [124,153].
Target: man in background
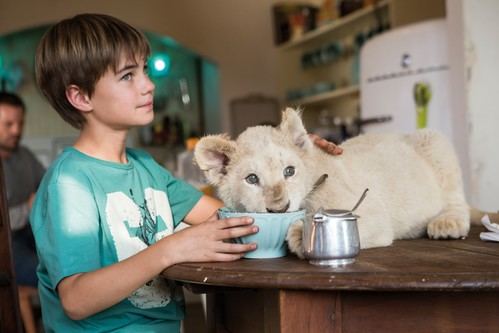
[22,173]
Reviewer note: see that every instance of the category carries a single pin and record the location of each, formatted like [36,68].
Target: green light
[159,65]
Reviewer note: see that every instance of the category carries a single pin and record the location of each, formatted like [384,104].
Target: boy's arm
[204,210]
[85,294]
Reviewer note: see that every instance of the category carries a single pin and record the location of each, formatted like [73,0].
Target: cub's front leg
[294,238]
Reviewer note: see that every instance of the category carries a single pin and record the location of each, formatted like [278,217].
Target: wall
[410,11]
[481,33]
[237,35]
[457,79]
[474,28]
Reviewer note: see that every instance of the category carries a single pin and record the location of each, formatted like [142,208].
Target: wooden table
[412,286]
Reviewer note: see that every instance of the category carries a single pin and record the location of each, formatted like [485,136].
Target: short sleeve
[182,196]
[68,239]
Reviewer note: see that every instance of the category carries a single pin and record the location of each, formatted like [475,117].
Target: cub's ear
[292,126]
[212,154]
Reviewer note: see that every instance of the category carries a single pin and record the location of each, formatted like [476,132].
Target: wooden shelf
[327,96]
[334,25]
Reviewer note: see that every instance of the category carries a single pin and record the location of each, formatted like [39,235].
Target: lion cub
[414,180]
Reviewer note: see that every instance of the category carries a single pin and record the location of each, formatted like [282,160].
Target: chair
[10,319]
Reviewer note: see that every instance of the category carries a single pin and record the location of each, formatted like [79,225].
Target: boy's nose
[148,85]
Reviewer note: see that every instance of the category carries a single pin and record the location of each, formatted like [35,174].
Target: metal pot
[331,238]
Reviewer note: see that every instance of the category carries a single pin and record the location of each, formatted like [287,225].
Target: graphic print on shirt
[134,227]
[149,226]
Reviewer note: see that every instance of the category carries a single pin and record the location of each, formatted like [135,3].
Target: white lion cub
[414,180]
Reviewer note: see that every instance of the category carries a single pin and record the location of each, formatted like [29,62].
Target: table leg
[309,311]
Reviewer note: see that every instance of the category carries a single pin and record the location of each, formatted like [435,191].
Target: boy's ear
[78,98]
[212,154]
[293,127]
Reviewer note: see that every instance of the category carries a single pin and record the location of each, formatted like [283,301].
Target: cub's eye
[252,179]
[289,171]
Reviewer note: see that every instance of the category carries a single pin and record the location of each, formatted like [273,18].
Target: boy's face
[124,99]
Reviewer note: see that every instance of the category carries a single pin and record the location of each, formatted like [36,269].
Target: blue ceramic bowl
[271,237]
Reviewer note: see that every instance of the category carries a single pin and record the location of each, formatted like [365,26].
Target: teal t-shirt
[91,213]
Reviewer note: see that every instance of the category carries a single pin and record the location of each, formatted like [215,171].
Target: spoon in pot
[347,212]
[362,197]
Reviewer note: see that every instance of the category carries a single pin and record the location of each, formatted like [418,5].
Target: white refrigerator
[404,80]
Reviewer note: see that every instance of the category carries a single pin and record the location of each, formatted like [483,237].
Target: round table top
[421,264]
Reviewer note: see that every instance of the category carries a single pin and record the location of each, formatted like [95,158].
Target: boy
[104,215]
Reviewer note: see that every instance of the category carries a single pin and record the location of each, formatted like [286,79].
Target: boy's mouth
[148,105]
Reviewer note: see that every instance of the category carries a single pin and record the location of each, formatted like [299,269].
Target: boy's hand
[325,145]
[205,242]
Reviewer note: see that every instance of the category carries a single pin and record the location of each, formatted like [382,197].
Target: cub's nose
[279,210]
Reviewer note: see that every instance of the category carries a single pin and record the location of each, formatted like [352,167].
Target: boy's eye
[146,70]
[127,77]
[289,171]
[252,179]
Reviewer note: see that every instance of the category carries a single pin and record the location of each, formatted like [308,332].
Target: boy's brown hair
[79,51]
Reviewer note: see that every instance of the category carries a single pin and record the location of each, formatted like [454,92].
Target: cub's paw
[448,225]
[294,238]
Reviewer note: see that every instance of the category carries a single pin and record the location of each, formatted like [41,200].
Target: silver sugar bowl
[331,238]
